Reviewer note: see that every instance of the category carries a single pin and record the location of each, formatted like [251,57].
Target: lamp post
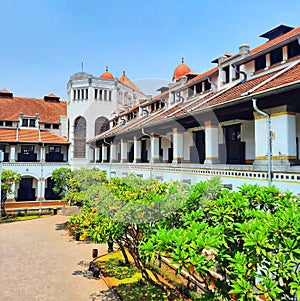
[41,179]
[1,160]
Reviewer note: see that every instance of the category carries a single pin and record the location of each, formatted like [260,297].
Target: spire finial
[124,72]
[81,66]
[182,60]
[106,68]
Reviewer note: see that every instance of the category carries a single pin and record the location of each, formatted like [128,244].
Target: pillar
[177,146]
[137,150]
[41,189]
[113,153]
[97,153]
[104,153]
[124,151]
[154,149]
[211,143]
[42,154]
[12,153]
[283,137]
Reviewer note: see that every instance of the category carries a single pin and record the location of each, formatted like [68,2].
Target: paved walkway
[39,261]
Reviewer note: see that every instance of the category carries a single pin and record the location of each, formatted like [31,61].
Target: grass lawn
[127,280]
[20,218]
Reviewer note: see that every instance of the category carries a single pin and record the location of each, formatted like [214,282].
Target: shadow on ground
[107,295]
[61,226]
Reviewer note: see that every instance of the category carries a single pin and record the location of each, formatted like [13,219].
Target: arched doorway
[26,191]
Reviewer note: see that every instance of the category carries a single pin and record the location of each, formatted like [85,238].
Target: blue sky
[43,42]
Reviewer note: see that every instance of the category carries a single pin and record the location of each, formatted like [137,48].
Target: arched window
[101,125]
[79,137]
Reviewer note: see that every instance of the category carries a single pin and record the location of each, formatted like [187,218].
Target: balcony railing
[31,157]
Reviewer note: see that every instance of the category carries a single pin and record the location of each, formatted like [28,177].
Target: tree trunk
[124,253]
[3,198]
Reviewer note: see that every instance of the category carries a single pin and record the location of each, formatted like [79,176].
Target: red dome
[107,75]
[181,70]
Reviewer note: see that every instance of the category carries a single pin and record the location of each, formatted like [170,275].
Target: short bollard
[95,253]
[94,269]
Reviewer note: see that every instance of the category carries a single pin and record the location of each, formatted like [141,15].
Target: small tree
[62,177]
[250,238]
[8,177]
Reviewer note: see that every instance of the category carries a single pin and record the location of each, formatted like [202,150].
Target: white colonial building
[240,121]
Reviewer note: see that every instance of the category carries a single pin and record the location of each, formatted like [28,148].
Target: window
[276,56]
[96,93]
[100,94]
[8,123]
[27,149]
[191,91]
[105,94]
[207,85]
[55,126]
[78,94]
[233,133]
[86,93]
[47,125]
[260,63]
[109,95]
[199,88]
[226,75]
[74,94]
[79,137]
[101,125]
[32,123]
[54,149]
[1,122]
[293,49]
[24,122]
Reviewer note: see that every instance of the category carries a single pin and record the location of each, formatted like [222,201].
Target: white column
[268,61]
[177,146]
[137,150]
[104,153]
[12,154]
[284,136]
[154,146]
[113,153]
[211,143]
[97,153]
[124,151]
[284,53]
[42,154]
[41,189]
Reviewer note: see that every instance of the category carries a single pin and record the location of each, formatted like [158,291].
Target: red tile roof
[265,82]
[161,95]
[125,80]
[286,36]
[205,74]
[31,136]
[49,112]
[292,75]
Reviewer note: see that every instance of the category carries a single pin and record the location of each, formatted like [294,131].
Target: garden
[191,242]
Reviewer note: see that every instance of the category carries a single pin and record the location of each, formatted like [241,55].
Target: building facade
[240,121]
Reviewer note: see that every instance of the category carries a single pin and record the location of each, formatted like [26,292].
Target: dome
[80,75]
[181,70]
[107,75]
